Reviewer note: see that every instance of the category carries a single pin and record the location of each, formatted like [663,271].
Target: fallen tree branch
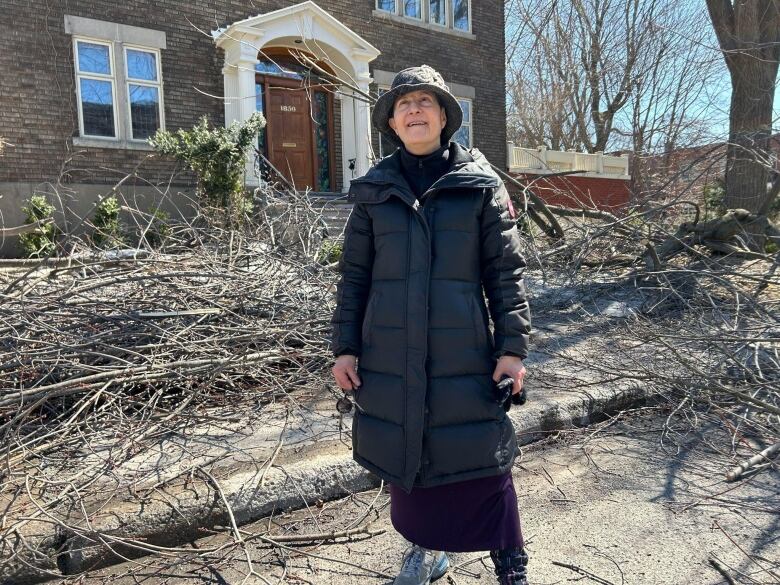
[24,229]
[764,456]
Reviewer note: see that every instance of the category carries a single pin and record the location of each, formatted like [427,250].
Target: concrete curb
[178,516]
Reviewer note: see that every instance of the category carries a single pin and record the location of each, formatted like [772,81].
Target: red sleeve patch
[511,207]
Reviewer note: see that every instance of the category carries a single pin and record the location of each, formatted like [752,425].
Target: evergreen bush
[41,242]
[108,230]
[217,156]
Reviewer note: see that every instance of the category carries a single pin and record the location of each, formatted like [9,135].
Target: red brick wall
[573,191]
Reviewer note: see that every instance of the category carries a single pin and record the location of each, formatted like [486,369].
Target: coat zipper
[427,220]
[428,228]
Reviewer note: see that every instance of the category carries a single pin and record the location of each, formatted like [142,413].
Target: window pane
[413,8]
[281,67]
[463,136]
[460,12]
[141,65]
[438,14]
[385,146]
[388,5]
[465,105]
[144,111]
[321,140]
[97,107]
[94,58]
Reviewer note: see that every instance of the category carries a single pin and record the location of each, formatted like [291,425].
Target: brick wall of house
[37,87]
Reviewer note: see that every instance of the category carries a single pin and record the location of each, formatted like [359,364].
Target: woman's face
[418,119]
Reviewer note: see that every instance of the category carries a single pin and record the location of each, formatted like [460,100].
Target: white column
[510,155]
[348,143]
[543,164]
[239,77]
[362,123]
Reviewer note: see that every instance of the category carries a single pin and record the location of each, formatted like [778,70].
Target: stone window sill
[82,141]
[426,25]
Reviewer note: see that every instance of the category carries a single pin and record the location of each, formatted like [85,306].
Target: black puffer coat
[410,305]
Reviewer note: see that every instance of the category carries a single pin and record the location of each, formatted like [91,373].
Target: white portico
[305,27]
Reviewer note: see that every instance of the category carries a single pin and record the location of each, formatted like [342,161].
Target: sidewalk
[609,507]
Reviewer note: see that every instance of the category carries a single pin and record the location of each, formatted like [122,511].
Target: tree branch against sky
[598,75]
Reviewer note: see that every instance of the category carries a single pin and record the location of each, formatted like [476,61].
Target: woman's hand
[513,367]
[344,372]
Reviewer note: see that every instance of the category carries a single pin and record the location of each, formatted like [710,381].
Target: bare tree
[749,36]
[598,74]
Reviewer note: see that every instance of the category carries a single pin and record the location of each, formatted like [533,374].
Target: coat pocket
[368,318]
[478,319]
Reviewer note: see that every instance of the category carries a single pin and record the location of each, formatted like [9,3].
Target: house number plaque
[288,108]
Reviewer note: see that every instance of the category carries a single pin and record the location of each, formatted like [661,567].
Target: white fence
[542,161]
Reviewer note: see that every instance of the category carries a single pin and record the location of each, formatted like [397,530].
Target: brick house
[86,82]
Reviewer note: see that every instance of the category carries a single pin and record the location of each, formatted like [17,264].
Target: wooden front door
[290,134]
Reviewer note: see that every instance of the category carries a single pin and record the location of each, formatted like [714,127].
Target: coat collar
[468,170]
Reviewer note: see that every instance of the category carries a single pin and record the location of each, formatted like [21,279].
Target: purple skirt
[467,516]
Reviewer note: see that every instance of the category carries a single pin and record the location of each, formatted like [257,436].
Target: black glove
[504,393]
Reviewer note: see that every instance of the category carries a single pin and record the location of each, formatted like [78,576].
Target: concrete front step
[335,213]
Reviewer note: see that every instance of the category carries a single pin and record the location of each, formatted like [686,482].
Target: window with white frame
[461,15]
[412,8]
[437,12]
[119,90]
[143,92]
[431,11]
[464,135]
[96,88]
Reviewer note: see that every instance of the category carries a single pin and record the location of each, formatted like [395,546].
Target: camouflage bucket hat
[414,79]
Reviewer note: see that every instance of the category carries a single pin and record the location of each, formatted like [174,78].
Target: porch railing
[542,160]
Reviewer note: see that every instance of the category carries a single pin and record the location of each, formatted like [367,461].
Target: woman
[432,227]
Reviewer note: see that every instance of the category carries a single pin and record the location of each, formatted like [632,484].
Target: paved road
[611,504]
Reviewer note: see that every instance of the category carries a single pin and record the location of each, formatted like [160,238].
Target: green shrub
[41,242]
[108,231]
[330,252]
[217,156]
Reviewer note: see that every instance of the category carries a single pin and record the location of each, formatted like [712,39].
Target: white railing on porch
[542,161]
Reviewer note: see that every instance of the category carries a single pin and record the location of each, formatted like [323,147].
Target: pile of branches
[124,346]
[701,323]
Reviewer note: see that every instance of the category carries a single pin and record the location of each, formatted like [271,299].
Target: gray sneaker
[421,566]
